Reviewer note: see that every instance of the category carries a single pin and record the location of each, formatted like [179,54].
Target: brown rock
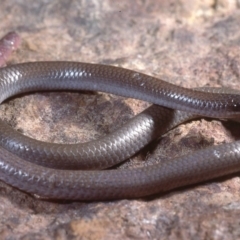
[189,43]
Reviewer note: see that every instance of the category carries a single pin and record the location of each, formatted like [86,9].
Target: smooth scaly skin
[106,151]
[102,153]
[113,184]
[39,76]
[110,150]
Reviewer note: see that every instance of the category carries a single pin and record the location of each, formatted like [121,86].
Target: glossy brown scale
[63,183]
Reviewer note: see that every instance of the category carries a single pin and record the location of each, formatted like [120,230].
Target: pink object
[8,44]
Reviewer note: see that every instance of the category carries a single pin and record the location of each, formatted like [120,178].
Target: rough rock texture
[189,43]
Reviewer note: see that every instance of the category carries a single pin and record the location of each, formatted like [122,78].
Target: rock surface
[189,43]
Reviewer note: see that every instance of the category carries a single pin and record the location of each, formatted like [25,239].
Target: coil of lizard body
[51,180]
